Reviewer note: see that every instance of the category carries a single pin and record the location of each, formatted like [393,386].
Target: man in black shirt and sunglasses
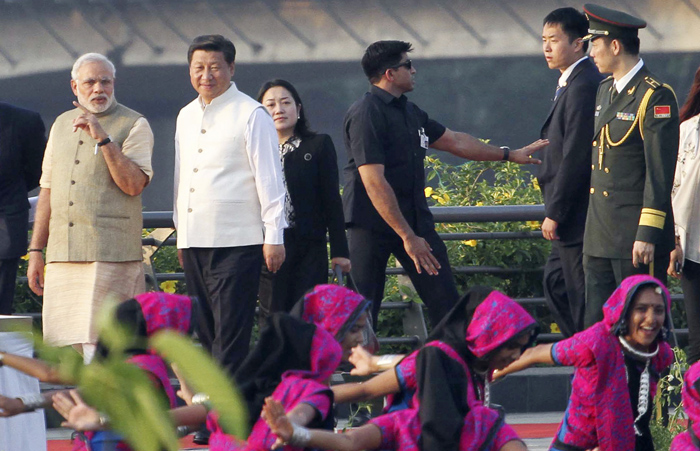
[386,212]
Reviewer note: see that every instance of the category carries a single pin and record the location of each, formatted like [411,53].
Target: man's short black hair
[213,43]
[383,55]
[573,23]
[630,44]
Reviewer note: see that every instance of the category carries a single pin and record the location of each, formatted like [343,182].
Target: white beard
[100,108]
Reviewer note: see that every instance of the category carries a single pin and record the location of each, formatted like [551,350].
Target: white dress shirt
[624,81]
[228,177]
[564,77]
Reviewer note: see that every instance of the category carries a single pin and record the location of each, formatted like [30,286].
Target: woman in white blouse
[685,259]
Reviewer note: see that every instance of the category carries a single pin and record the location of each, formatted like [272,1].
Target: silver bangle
[201,399]
[385,361]
[300,436]
[104,420]
[32,401]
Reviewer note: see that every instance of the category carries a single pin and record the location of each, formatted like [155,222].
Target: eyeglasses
[90,82]
[407,64]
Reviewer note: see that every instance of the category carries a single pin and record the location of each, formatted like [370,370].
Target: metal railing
[162,221]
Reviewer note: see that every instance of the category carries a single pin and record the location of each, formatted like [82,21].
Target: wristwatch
[506,153]
[105,141]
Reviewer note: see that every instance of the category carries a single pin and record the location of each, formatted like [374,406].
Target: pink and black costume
[449,410]
[604,408]
[690,439]
[144,315]
[292,362]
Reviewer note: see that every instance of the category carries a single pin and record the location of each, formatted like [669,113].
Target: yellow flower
[428,191]
[554,328]
[471,243]
[480,204]
[440,199]
[168,286]
[534,225]
[25,257]
[535,184]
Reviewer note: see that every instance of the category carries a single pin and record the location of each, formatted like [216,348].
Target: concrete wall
[47,35]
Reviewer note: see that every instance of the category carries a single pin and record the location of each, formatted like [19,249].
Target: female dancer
[686,213]
[312,206]
[485,331]
[618,361]
[142,317]
[690,439]
[291,363]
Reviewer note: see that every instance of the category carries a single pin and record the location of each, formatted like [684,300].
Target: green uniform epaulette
[609,77]
[653,83]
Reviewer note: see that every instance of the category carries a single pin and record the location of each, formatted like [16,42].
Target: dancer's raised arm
[531,356]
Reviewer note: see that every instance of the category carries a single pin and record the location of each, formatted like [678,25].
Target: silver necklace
[643,398]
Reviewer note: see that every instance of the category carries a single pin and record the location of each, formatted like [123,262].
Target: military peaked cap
[604,21]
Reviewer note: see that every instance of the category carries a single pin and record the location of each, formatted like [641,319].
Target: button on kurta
[200,150]
[70,204]
[203,131]
[72,182]
[70,224]
[77,161]
[195,170]
[191,190]
[189,210]
[80,143]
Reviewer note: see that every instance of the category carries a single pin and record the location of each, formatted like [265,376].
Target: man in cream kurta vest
[229,200]
[97,162]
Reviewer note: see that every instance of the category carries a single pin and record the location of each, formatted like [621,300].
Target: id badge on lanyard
[424,141]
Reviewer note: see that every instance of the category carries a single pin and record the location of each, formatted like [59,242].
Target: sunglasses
[407,64]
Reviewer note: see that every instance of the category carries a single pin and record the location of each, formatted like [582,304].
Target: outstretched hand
[524,154]
[362,360]
[275,417]
[79,415]
[10,407]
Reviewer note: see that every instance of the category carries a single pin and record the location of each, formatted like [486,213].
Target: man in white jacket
[229,199]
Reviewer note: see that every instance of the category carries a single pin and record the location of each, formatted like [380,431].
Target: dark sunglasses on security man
[407,64]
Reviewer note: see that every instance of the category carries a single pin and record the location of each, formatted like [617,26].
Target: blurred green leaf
[205,376]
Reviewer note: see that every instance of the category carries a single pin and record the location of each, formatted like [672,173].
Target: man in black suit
[22,143]
[565,173]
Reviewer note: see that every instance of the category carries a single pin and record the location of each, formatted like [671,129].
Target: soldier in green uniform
[629,227]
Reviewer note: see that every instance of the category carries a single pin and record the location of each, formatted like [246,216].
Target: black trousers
[369,253]
[690,281]
[8,278]
[564,286]
[226,282]
[604,275]
[305,266]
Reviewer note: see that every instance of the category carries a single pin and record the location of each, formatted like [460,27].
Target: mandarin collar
[225,96]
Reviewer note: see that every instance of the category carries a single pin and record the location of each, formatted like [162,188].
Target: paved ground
[547,421]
